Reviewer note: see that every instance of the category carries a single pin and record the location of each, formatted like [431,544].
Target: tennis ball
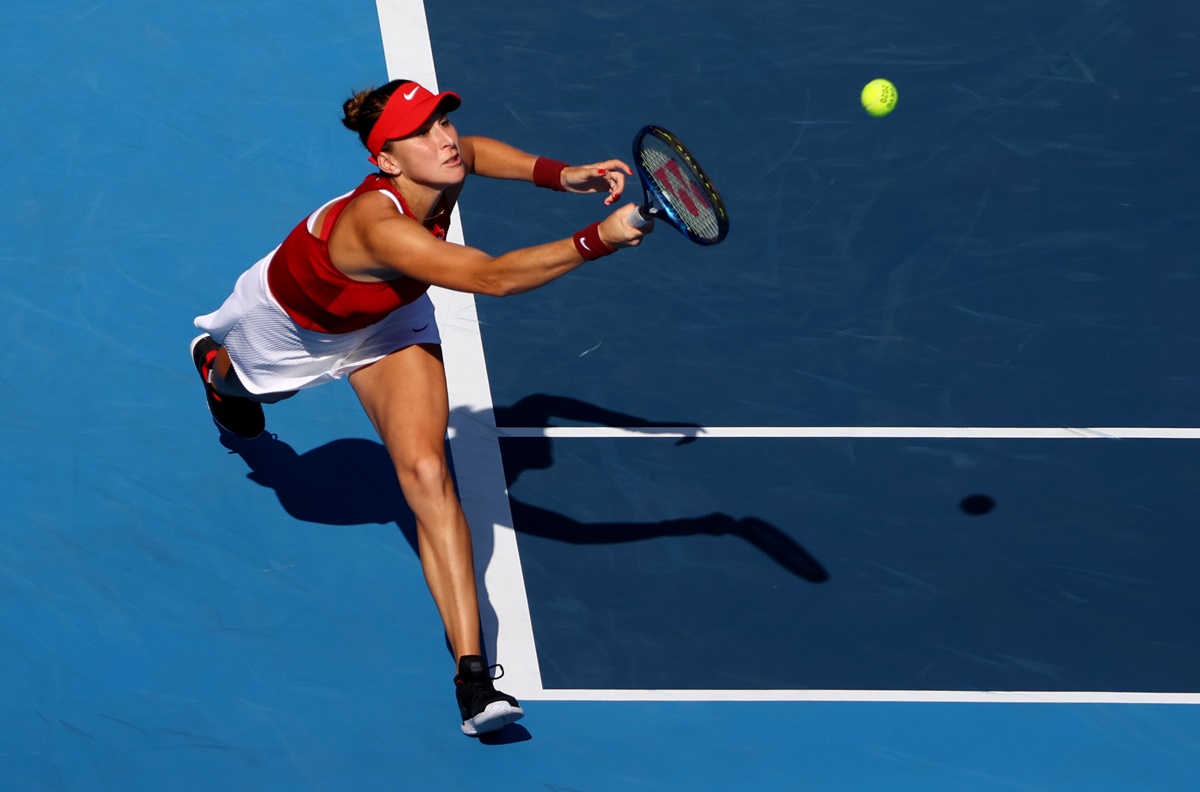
[879,97]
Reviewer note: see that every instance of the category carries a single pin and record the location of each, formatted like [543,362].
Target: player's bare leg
[404,395]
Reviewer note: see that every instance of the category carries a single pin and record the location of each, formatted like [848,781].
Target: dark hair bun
[353,110]
[362,110]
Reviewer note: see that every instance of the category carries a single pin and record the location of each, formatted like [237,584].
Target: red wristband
[548,173]
[590,245]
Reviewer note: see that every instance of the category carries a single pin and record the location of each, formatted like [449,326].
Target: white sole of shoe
[495,716]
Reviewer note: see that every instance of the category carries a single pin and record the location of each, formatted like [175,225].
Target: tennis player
[344,296]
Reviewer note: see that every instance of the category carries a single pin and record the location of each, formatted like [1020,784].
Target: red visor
[406,110]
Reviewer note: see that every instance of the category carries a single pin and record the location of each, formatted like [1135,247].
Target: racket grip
[638,217]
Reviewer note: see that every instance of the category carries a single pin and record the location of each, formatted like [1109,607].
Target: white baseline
[916,432]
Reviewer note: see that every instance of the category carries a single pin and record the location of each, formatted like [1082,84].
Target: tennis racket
[677,189]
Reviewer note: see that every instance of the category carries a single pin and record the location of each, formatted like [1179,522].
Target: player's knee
[424,473]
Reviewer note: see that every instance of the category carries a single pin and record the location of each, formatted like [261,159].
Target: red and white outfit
[294,321]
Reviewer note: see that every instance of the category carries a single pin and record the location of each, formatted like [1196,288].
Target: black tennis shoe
[235,414]
[484,709]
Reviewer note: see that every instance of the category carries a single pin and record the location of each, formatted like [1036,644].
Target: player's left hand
[607,176]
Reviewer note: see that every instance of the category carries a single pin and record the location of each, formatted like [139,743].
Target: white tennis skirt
[273,354]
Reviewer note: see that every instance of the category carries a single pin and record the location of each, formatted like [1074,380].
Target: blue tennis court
[722,498]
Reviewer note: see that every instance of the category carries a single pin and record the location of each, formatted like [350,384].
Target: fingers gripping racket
[677,189]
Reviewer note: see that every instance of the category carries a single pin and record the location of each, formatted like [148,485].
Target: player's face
[430,155]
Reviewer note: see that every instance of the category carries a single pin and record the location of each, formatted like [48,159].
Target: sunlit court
[873,466]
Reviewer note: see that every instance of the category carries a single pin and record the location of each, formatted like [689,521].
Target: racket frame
[656,206]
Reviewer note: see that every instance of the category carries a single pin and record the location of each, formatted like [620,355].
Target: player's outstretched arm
[497,160]
[378,242]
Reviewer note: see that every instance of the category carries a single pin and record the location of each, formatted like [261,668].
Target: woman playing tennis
[344,296]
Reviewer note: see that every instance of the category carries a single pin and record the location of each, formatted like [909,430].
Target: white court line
[506,625]
[915,696]
[915,432]
[509,629]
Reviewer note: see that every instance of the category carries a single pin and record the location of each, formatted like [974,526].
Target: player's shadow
[350,481]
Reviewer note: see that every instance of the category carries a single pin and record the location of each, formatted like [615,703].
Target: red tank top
[316,295]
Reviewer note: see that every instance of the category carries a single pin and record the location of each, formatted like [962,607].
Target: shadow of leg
[349,481]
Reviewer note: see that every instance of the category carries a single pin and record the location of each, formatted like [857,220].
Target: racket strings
[689,199]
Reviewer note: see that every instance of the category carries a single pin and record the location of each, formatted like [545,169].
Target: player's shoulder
[378,199]
[371,206]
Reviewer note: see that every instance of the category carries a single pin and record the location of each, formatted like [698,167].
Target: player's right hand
[616,231]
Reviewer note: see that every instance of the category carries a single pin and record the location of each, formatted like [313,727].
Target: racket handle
[638,217]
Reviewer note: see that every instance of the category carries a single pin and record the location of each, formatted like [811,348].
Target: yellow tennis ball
[879,97]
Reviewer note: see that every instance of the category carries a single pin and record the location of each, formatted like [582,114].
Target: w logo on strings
[680,188]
